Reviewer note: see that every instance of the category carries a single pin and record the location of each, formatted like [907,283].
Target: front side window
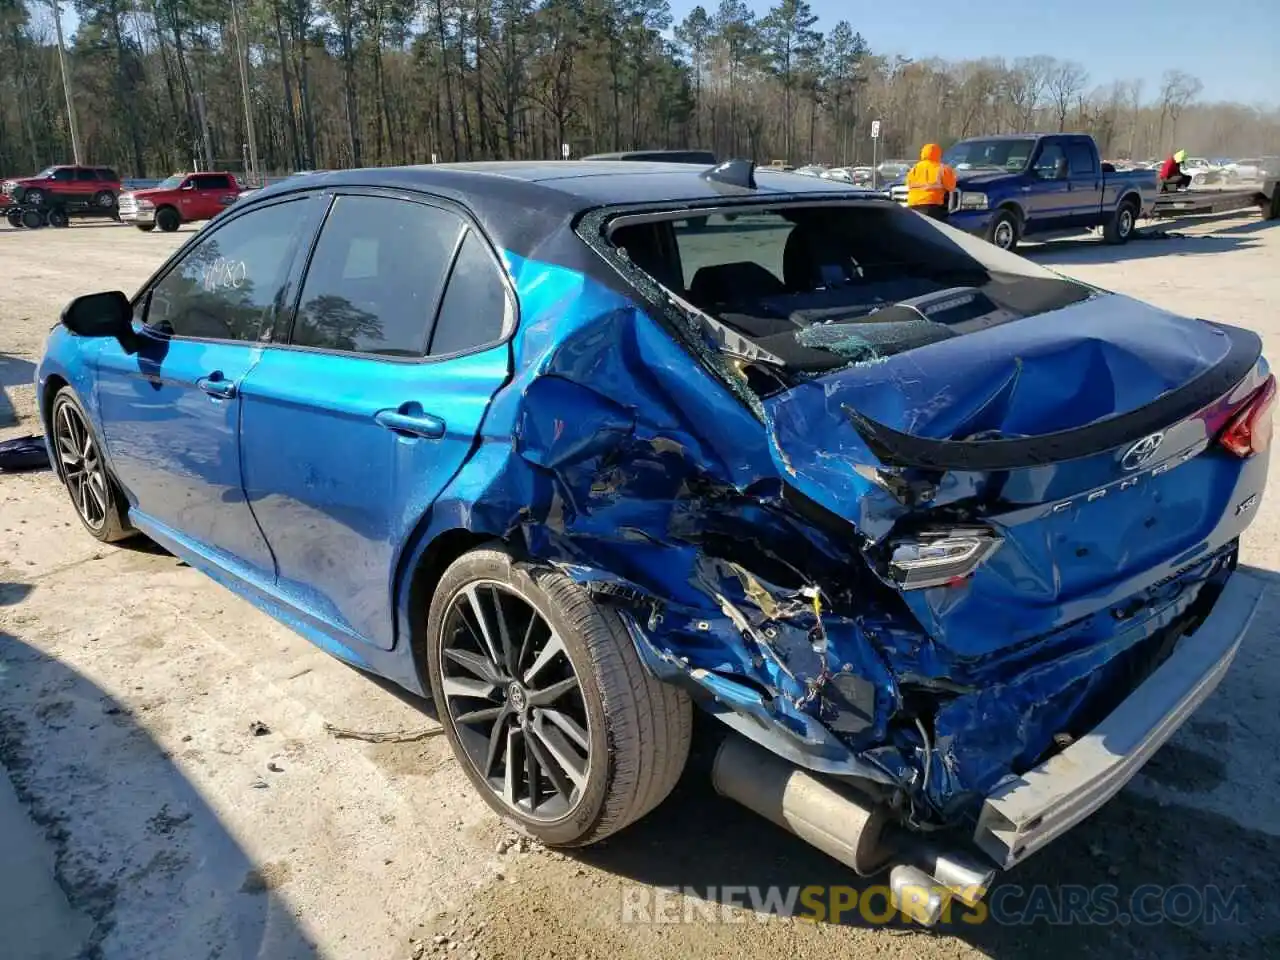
[230,284]
[376,277]
[63,174]
[1051,163]
[213,181]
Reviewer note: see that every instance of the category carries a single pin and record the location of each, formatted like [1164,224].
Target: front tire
[145,227]
[167,219]
[1119,229]
[1005,231]
[35,198]
[14,216]
[546,703]
[78,460]
[58,217]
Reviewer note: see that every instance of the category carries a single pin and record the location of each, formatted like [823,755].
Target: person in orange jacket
[929,182]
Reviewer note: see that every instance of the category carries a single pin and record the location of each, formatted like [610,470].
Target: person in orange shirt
[929,182]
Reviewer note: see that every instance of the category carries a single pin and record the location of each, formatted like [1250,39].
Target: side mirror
[101,315]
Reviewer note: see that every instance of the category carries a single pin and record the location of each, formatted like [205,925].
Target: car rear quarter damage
[753,539]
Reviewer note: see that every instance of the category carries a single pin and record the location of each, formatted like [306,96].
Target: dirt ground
[171,741]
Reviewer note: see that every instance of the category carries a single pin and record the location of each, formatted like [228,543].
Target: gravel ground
[172,741]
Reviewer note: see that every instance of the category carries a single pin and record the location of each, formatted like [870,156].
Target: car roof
[521,203]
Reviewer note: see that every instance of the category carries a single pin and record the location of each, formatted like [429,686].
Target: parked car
[1011,187]
[891,170]
[182,198]
[1253,169]
[93,186]
[1203,172]
[926,525]
[811,170]
[843,174]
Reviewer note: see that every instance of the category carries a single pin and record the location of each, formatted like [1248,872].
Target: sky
[1236,56]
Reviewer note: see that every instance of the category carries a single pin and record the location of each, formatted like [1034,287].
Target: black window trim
[511,323]
[143,296]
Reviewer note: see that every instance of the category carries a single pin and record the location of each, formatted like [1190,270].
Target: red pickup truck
[93,186]
[182,198]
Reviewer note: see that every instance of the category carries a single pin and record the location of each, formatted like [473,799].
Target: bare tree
[1066,81]
[1177,89]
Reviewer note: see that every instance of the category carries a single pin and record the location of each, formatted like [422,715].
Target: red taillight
[1249,431]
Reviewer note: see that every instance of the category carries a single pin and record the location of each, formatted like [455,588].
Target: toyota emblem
[1141,452]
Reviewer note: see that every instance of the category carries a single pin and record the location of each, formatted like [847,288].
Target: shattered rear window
[802,289]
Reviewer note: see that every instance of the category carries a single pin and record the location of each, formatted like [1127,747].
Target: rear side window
[84,173]
[1080,158]
[230,284]
[376,277]
[476,306]
[213,182]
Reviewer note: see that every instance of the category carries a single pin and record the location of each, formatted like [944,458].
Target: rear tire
[77,457]
[1005,231]
[1119,229]
[32,219]
[14,216]
[167,219]
[104,199]
[57,217]
[624,734]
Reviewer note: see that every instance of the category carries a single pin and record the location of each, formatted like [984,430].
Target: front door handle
[409,420]
[217,386]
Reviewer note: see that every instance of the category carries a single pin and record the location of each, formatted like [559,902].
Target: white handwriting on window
[224,274]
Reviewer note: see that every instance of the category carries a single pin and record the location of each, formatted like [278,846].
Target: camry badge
[1142,451]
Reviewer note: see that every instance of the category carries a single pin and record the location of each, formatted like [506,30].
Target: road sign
[875,129]
[564,150]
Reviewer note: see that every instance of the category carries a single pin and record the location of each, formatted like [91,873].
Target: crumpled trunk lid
[1082,437]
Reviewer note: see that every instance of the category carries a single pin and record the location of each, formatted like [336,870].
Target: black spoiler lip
[897,449]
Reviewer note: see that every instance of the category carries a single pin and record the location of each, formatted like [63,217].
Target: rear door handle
[217,386]
[413,423]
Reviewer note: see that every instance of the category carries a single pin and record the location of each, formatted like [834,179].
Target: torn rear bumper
[1032,810]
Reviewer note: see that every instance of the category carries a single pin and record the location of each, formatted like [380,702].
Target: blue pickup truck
[1034,185]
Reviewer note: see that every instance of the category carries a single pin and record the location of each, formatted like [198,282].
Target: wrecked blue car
[946,540]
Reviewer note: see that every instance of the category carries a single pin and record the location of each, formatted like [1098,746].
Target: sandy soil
[131,689]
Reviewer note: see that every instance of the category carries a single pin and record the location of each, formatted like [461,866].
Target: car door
[1049,201]
[86,183]
[213,193]
[1085,183]
[351,432]
[62,184]
[171,410]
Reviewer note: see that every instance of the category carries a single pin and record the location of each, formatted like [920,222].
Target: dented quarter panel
[646,477]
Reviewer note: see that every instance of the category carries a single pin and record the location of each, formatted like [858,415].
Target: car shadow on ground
[1145,876]
[16,372]
[216,897]
[1151,241]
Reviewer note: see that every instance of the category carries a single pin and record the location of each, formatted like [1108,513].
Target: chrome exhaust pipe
[923,875]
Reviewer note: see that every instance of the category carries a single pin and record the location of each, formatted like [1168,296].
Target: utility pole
[66,85]
[242,61]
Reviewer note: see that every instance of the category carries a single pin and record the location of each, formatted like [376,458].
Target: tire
[637,729]
[57,217]
[145,227]
[1271,205]
[35,198]
[95,496]
[167,219]
[32,218]
[14,216]
[1119,229]
[1005,231]
[104,199]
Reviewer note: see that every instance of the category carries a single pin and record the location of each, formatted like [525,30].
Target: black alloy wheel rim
[81,466]
[515,701]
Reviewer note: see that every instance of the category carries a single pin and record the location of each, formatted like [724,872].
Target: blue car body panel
[734,535]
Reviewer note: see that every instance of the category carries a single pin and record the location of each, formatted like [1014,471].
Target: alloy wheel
[1004,235]
[515,701]
[81,466]
[1126,222]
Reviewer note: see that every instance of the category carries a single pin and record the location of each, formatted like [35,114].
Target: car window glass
[731,249]
[1047,164]
[228,285]
[376,276]
[1080,158]
[64,173]
[212,182]
[476,305]
[85,175]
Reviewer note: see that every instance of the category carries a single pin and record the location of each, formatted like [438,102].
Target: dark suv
[95,186]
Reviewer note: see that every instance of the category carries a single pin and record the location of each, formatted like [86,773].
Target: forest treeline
[157,85]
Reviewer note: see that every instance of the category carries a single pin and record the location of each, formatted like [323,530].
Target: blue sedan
[572,447]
